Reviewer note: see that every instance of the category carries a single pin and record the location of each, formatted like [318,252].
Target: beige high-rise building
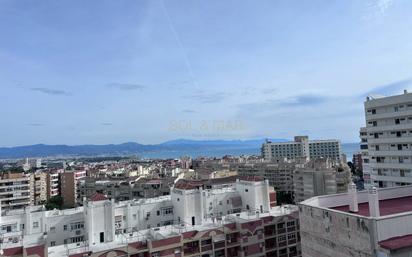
[39,180]
[320,177]
[15,191]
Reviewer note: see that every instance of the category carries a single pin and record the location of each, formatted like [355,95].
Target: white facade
[389,139]
[302,147]
[101,221]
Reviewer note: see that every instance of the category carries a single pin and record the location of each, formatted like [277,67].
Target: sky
[148,71]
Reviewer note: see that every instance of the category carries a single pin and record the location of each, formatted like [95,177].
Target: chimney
[373,198]
[405,91]
[353,198]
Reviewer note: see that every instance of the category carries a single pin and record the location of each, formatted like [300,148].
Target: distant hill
[169,149]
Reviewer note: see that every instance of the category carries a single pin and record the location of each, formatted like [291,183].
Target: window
[65,227]
[290,223]
[246,190]
[76,225]
[167,211]
[35,224]
[158,213]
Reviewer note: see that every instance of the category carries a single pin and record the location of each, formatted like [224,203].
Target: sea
[348,148]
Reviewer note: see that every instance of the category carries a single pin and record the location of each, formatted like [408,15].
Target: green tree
[55,202]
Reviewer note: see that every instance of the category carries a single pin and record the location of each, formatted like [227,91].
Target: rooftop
[397,243]
[386,207]
[169,231]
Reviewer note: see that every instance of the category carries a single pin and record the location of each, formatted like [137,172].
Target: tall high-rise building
[15,191]
[389,140]
[39,180]
[320,177]
[302,147]
[69,186]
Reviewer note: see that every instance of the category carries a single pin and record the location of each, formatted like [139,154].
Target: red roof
[396,243]
[386,207]
[97,197]
[188,184]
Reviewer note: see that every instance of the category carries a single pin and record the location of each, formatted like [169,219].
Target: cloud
[188,111]
[283,103]
[391,88]
[376,9]
[269,91]
[126,86]
[106,123]
[302,100]
[36,124]
[50,91]
[207,98]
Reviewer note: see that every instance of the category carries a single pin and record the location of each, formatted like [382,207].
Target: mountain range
[169,149]
[131,148]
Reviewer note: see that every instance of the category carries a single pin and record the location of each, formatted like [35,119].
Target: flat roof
[386,207]
[397,243]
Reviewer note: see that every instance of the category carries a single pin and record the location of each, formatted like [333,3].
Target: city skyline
[151,71]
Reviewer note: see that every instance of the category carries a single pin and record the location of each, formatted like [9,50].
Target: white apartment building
[369,223]
[53,183]
[302,147]
[102,227]
[389,139]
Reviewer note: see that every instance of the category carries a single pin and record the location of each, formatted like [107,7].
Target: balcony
[386,115]
[390,165]
[218,245]
[207,248]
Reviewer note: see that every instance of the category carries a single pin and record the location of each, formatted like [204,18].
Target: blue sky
[77,72]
